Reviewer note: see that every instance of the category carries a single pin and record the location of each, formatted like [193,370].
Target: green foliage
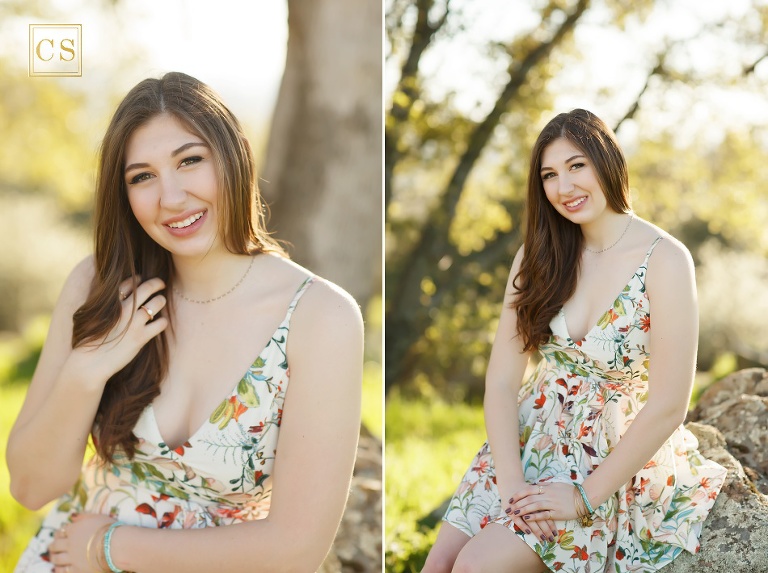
[429,445]
[698,180]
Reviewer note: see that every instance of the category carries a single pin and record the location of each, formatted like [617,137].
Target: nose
[172,193]
[566,184]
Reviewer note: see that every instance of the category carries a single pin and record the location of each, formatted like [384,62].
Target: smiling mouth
[186,222]
[575,202]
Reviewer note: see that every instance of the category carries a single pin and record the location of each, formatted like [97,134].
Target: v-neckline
[151,407]
[596,323]
[272,337]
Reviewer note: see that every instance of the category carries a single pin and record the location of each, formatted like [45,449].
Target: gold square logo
[56,50]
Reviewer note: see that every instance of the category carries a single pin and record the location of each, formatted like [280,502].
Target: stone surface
[735,537]
[357,547]
[737,405]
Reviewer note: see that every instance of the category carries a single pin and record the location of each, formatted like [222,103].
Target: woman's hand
[538,505]
[132,331]
[542,526]
[68,548]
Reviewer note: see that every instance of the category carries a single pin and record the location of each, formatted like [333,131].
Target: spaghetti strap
[295,301]
[650,250]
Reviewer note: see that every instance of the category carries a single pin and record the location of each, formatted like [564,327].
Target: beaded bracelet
[108,548]
[585,498]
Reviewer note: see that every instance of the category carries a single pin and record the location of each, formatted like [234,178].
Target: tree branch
[751,69]
[658,70]
[406,92]
[435,240]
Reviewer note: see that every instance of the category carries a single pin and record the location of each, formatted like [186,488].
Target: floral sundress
[221,475]
[573,410]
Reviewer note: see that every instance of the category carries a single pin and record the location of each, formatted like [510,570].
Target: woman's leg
[497,549]
[443,553]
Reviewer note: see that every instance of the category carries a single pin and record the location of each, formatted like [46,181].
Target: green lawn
[428,448]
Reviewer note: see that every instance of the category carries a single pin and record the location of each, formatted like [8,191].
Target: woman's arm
[64,394]
[506,368]
[671,288]
[313,467]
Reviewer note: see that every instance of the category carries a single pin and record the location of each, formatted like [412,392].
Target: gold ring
[541,490]
[149,312]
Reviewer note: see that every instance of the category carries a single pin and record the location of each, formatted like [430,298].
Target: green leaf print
[618,307]
[259,363]
[566,541]
[247,394]
[605,320]
[218,413]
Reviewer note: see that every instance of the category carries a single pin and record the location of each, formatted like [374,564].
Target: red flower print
[643,482]
[584,430]
[168,517]
[557,565]
[482,466]
[620,554]
[645,322]
[539,402]
[705,483]
[256,429]
[161,497]
[612,316]
[180,449]
[239,407]
[671,480]
[146,509]
[484,521]
[279,416]
[580,553]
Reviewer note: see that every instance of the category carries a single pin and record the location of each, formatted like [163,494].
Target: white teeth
[186,222]
[576,203]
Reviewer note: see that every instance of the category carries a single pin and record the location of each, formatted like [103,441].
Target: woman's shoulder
[322,300]
[668,249]
[78,284]
[670,260]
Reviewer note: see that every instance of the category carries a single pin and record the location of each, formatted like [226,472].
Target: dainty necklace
[221,295]
[586,248]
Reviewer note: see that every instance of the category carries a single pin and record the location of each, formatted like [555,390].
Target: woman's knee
[438,562]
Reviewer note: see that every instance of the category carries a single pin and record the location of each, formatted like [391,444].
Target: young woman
[587,466]
[219,380]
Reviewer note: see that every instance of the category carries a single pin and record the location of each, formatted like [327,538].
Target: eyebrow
[543,167]
[174,153]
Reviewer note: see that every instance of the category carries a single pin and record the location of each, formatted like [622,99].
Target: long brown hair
[122,248]
[553,244]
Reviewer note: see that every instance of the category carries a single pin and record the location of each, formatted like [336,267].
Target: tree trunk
[323,169]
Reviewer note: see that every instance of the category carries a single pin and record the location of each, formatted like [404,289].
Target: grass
[428,448]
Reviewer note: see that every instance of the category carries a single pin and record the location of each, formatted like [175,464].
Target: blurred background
[468,86]
[303,77]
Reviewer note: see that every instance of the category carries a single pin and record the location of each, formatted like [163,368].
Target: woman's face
[172,189]
[570,182]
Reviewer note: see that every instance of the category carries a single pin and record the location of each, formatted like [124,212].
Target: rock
[357,547]
[737,405]
[734,537]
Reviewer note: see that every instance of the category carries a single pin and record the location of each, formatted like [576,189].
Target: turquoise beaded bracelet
[584,497]
[108,548]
